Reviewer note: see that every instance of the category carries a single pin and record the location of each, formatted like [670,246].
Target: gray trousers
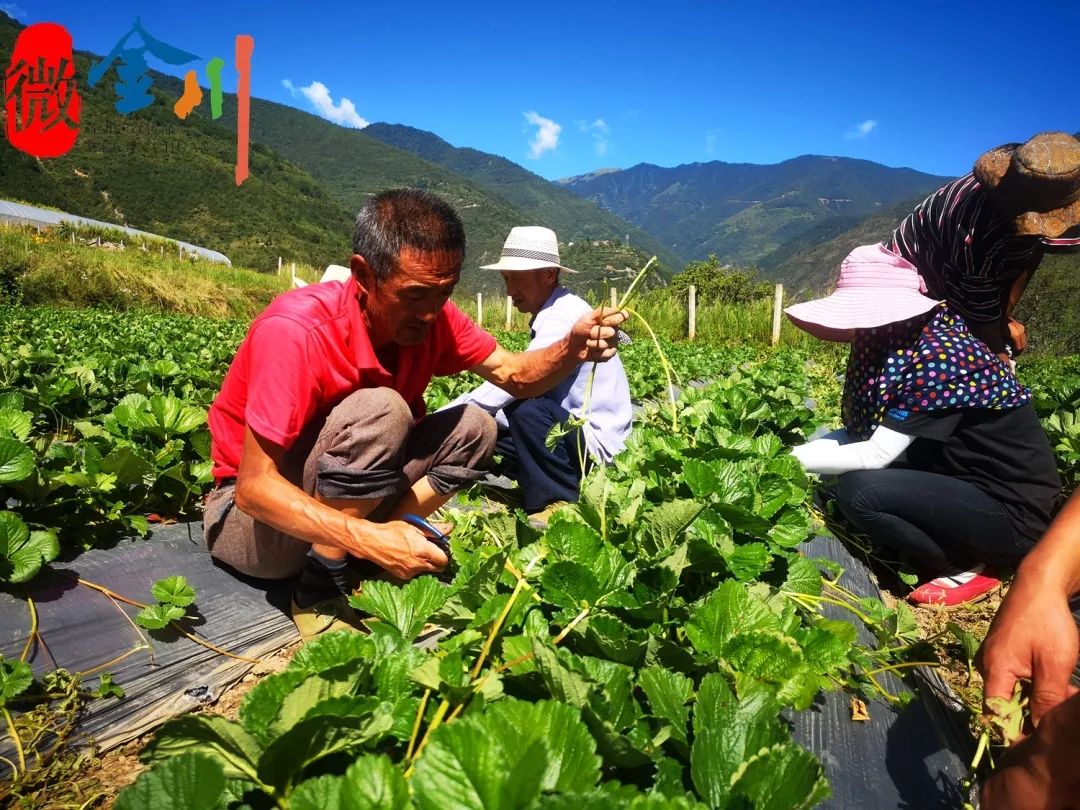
[368,448]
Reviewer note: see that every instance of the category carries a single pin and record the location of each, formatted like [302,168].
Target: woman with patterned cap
[978,240]
[942,456]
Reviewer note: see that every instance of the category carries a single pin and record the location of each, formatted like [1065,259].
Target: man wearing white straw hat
[550,475]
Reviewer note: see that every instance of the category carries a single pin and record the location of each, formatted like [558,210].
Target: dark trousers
[545,476]
[944,524]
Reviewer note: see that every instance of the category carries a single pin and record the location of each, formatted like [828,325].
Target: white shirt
[610,414]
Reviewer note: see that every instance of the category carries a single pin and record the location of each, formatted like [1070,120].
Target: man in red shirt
[320,440]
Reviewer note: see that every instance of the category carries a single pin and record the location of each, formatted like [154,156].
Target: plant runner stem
[175,625]
[416,724]
[902,665]
[496,627]
[15,739]
[436,721]
[33,625]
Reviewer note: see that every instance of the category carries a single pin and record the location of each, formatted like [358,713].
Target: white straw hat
[529,247]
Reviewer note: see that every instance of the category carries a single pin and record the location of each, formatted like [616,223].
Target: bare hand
[1017,336]
[1033,636]
[401,549]
[1040,772]
[595,337]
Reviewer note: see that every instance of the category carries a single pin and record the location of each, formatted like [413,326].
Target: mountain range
[793,220]
[742,212]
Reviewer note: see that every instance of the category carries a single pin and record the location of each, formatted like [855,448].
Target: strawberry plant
[639,652]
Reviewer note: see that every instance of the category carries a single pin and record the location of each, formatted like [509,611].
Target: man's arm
[266,495]
[491,397]
[1034,635]
[532,373]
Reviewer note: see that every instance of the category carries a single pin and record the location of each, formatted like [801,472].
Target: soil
[106,775]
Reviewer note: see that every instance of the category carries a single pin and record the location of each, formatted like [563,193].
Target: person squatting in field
[320,441]
[551,476]
[942,456]
[977,240]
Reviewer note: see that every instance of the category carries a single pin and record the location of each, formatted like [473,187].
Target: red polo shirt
[309,350]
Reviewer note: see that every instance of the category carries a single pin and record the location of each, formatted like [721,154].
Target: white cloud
[546,138]
[14,11]
[344,112]
[601,134]
[711,138]
[862,130]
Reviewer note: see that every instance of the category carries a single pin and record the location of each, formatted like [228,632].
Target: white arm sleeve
[829,457]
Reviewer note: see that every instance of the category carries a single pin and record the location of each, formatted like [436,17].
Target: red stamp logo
[40,94]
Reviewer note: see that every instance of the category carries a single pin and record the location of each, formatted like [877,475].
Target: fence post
[692,333]
[279,266]
[614,298]
[778,308]
[479,309]
[509,313]
[292,277]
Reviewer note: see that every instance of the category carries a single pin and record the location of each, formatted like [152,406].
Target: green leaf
[332,650]
[108,688]
[727,731]
[728,610]
[467,768]
[664,524]
[22,552]
[782,777]
[155,617]
[262,704]
[749,561]
[370,783]
[615,640]
[406,608]
[572,762]
[312,740]
[968,643]
[224,741]
[563,683]
[15,678]
[570,585]
[803,576]
[16,460]
[668,693]
[192,781]
[792,528]
[314,690]
[173,590]
[133,412]
[15,423]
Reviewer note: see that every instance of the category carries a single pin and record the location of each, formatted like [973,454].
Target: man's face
[402,309]
[529,289]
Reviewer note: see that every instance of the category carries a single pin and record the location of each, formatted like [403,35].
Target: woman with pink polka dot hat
[942,456]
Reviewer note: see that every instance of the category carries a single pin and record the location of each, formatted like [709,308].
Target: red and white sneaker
[958,589]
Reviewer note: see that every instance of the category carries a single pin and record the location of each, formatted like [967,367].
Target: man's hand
[398,547]
[1017,336]
[1033,636]
[1040,772]
[595,337]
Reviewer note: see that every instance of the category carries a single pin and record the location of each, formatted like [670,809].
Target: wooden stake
[692,331]
[614,298]
[509,313]
[479,309]
[778,309]
[279,266]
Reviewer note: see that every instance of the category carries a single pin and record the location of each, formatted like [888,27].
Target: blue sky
[564,88]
